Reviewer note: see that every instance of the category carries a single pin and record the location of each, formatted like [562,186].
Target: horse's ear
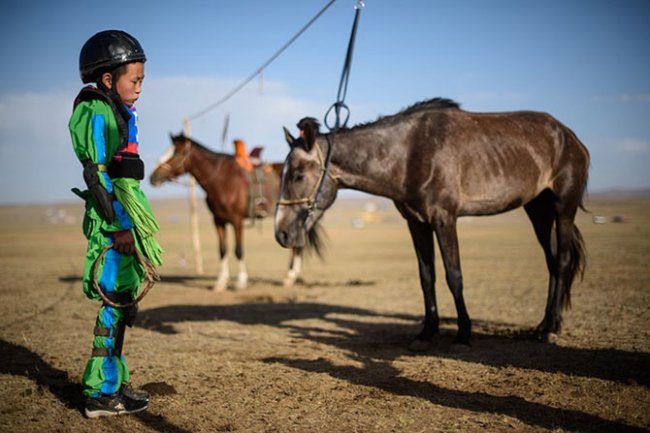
[176,137]
[287,136]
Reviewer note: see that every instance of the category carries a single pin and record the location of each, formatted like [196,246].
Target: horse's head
[174,162]
[307,188]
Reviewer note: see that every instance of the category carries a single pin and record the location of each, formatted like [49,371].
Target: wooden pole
[194,218]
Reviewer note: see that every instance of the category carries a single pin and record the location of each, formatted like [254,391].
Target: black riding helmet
[107,50]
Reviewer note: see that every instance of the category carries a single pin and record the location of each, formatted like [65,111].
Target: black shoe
[116,404]
[134,394]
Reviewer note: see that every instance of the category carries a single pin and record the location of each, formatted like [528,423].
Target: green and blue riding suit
[98,139]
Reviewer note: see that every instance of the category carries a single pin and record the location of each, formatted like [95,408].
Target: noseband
[171,169]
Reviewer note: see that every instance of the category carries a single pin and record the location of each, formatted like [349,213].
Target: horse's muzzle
[282,238]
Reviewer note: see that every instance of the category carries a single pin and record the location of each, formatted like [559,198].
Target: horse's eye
[298,178]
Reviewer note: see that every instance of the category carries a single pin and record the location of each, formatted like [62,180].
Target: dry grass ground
[330,355]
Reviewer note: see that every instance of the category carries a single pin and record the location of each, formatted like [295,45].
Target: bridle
[171,169]
[314,197]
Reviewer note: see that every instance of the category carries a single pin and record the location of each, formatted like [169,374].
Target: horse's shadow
[16,360]
[495,344]
[376,345]
[382,375]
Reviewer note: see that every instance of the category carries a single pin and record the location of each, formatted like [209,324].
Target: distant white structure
[58,216]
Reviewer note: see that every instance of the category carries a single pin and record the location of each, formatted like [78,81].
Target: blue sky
[587,62]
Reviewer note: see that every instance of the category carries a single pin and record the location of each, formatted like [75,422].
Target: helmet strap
[121,114]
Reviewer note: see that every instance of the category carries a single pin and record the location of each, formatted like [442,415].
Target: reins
[339,104]
[313,199]
[345,76]
[149,271]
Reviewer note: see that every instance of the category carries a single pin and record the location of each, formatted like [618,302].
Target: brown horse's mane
[429,104]
[202,147]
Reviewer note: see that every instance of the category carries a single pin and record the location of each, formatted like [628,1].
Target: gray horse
[437,163]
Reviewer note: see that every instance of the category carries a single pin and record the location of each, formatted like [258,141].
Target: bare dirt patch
[330,355]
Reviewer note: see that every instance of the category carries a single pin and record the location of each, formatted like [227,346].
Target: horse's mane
[430,104]
[200,146]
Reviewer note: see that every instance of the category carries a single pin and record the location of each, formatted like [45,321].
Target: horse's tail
[571,136]
[577,265]
[316,238]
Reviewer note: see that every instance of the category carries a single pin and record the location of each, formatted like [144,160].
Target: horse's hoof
[420,345]
[549,337]
[219,288]
[290,279]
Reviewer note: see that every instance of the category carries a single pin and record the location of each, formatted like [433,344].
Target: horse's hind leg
[295,265]
[449,250]
[568,187]
[541,212]
[564,259]
[224,274]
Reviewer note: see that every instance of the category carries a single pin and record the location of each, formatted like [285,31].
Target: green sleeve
[81,132]
[94,132]
[95,136]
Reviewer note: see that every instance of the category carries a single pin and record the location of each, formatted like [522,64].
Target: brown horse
[437,163]
[232,195]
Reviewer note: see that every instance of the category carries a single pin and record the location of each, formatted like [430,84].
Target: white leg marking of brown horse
[224,275]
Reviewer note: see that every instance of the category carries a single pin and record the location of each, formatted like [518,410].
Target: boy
[105,139]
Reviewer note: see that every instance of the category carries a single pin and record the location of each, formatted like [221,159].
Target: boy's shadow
[17,360]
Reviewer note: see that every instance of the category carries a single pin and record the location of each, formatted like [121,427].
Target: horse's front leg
[295,265]
[448,243]
[224,274]
[422,236]
[242,276]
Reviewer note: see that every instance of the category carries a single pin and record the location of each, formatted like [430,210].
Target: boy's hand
[124,242]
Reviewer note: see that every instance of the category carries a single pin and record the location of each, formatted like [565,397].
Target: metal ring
[338,106]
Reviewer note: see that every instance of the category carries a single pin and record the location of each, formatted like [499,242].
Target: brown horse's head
[174,162]
[307,188]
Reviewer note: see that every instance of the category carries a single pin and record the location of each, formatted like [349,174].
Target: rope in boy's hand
[150,275]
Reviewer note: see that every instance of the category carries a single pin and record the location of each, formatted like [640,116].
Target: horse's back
[493,162]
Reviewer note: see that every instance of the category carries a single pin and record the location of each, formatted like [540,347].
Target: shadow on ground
[17,360]
[376,345]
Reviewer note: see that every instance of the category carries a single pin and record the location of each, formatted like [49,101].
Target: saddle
[255,172]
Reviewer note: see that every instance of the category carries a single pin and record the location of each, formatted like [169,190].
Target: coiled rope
[150,273]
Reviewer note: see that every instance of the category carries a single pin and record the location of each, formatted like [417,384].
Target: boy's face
[129,84]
